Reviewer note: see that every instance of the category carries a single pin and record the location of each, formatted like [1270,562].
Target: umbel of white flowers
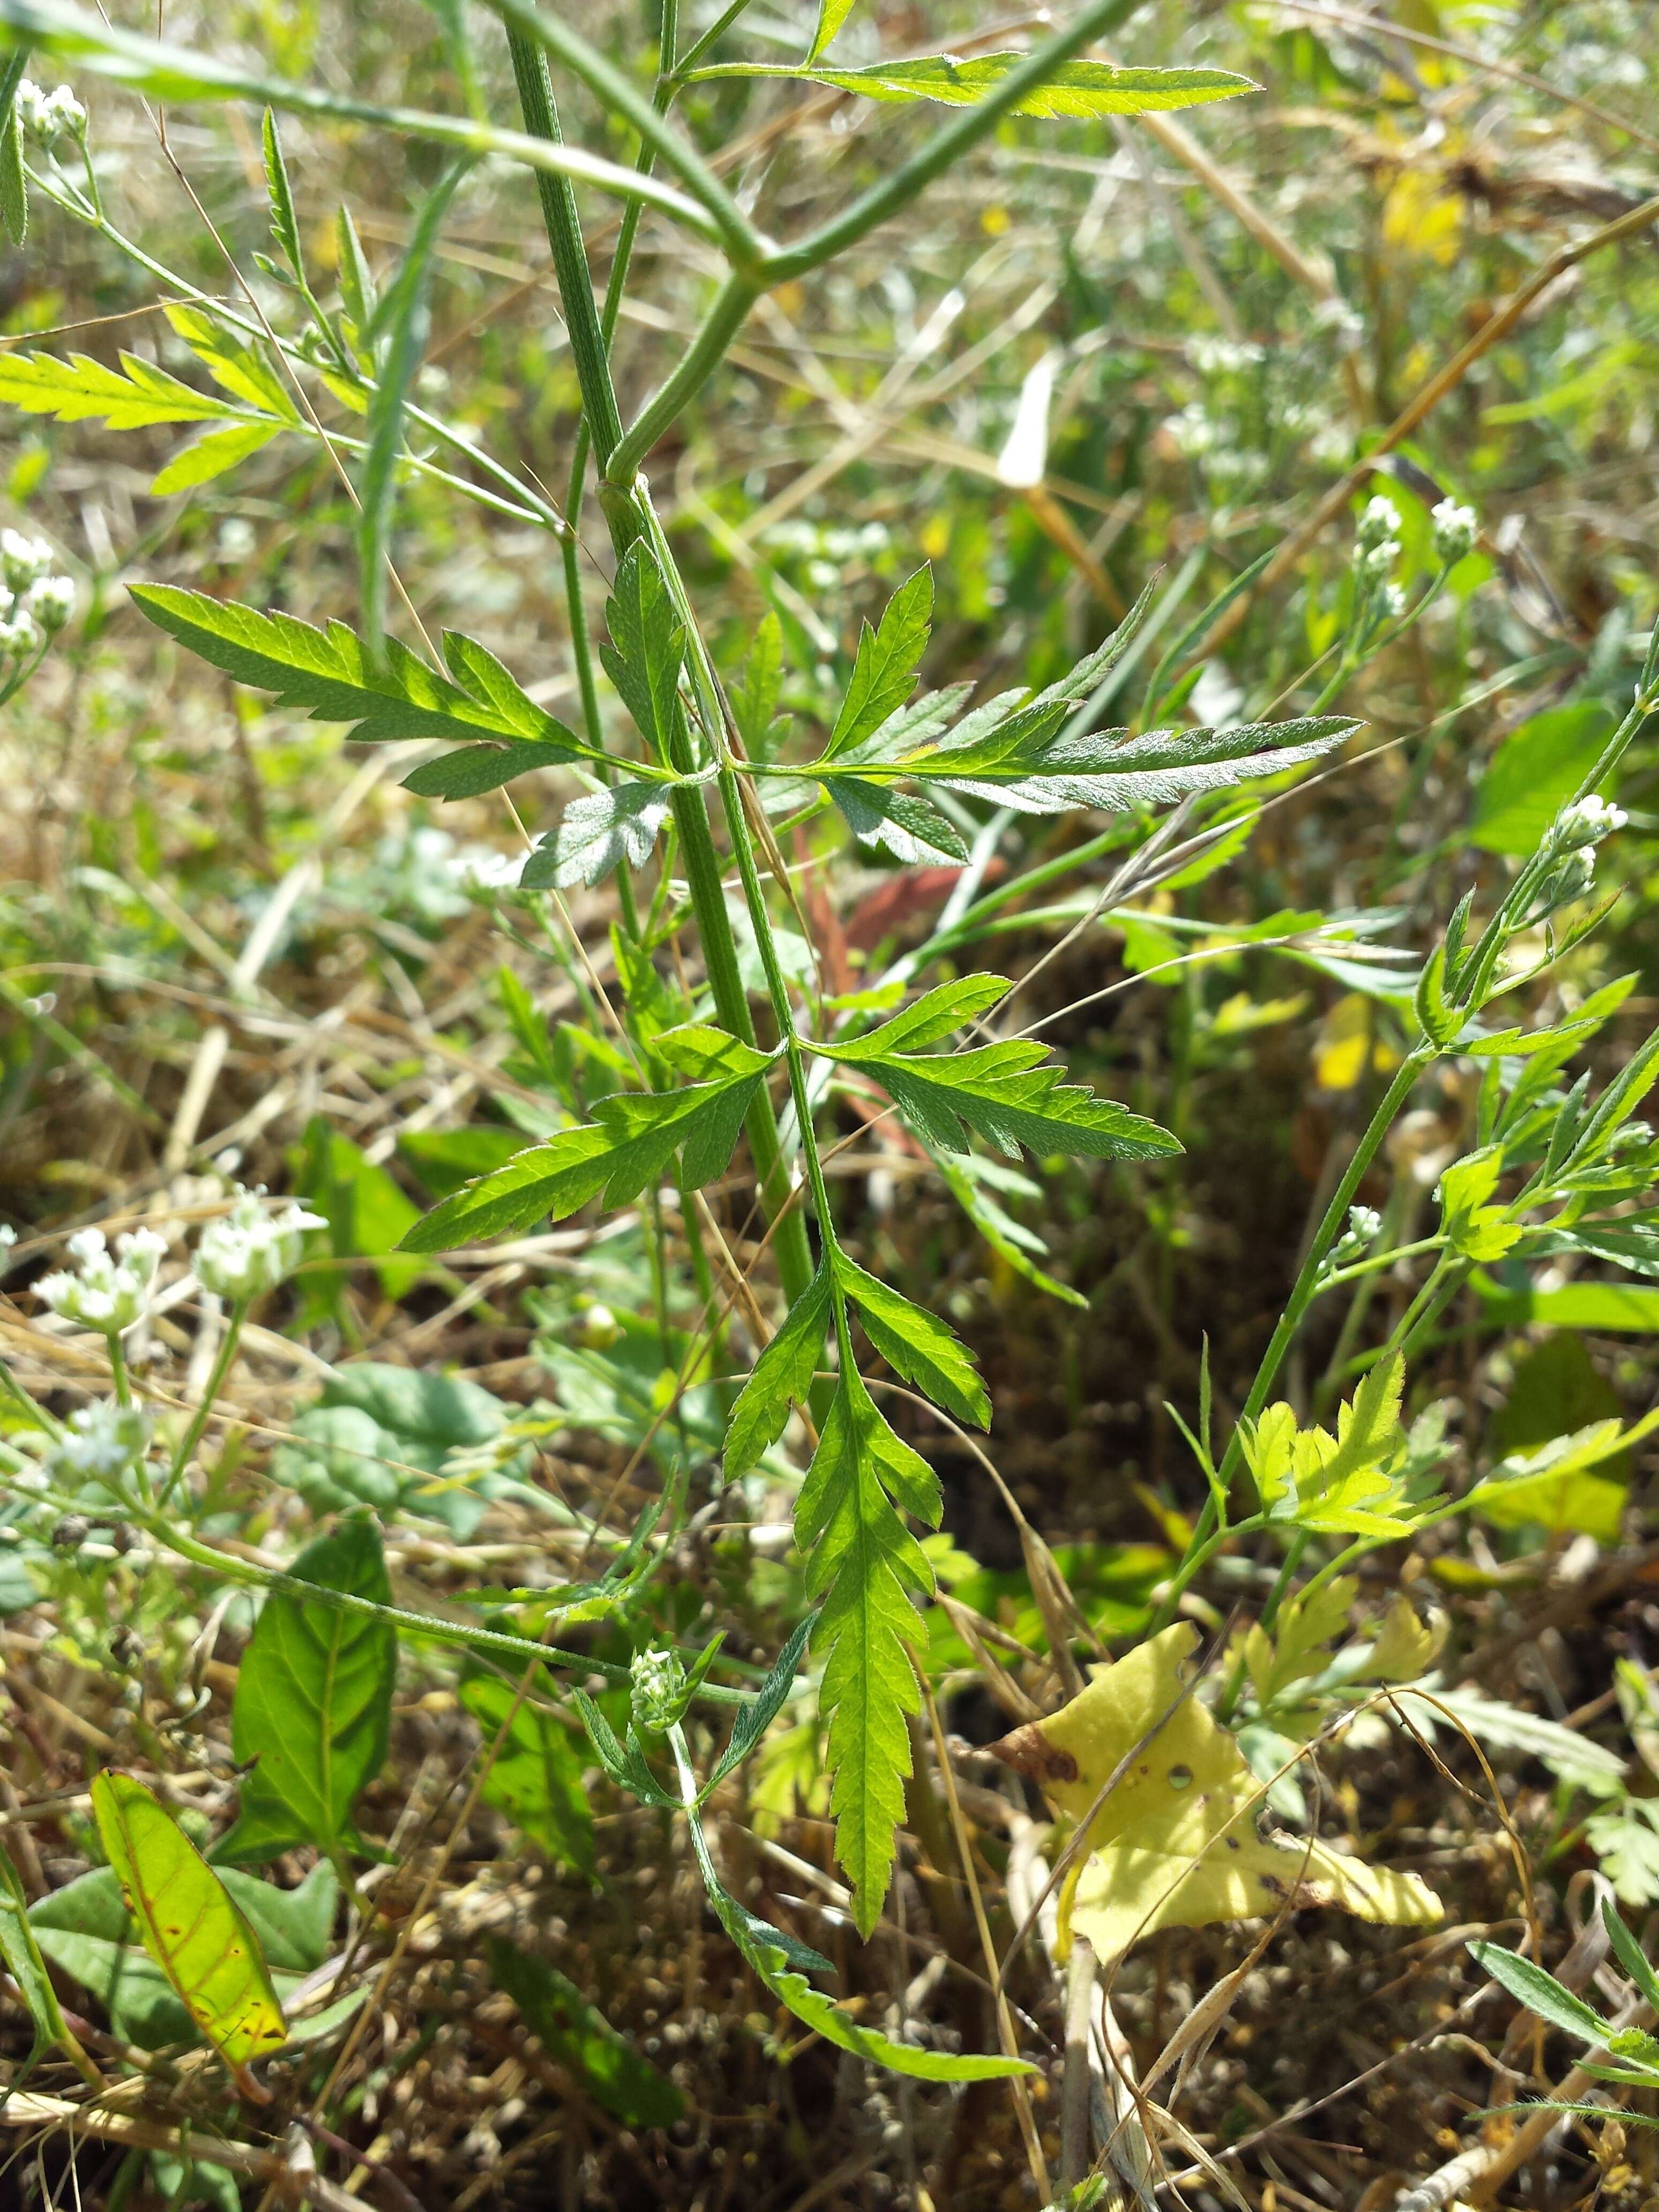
[49,116]
[105,1290]
[252,1248]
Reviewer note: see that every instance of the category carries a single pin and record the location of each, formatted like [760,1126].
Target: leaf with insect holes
[332,675]
[604,831]
[313,1708]
[576,2034]
[14,188]
[781,1377]
[1172,1843]
[631,1139]
[21,1953]
[189,1924]
[1077,88]
[863,1563]
[647,648]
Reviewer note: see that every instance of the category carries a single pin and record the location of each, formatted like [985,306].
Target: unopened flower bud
[1379,525]
[1456,529]
[1585,823]
[658,1681]
[23,560]
[51,601]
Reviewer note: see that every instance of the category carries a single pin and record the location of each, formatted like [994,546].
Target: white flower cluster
[1585,822]
[1377,544]
[48,116]
[1456,529]
[102,1442]
[105,1290]
[252,1248]
[1364,1227]
[658,1689]
[36,604]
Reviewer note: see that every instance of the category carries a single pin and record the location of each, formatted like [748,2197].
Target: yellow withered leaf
[1174,1843]
[190,1925]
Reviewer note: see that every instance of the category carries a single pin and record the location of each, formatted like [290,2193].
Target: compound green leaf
[133,396]
[647,648]
[884,668]
[189,1924]
[211,456]
[631,1139]
[1004,1093]
[313,1701]
[863,1563]
[777,1960]
[781,1377]
[917,1345]
[332,675]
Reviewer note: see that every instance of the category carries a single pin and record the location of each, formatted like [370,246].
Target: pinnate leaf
[782,1376]
[333,676]
[884,668]
[863,1563]
[917,1345]
[630,1140]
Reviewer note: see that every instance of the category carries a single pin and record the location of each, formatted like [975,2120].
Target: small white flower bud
[251,1250]
[1379,525]
[18,635]
[51,602]
[1585,822]
[1456,529]
[103,1442]
[23,560]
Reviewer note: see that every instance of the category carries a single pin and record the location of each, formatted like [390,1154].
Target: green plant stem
[700,45]
[118,1368]
[550,35]
[215,1384]
[700,359]
[628,520]
[945,147]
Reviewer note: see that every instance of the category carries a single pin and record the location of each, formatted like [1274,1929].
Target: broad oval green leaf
[313,1701]
[190,1925]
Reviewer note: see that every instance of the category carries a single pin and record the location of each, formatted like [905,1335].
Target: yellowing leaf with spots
[1171,1811]
[190,1926]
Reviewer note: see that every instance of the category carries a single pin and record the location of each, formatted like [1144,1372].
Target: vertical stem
[227,1353]
[628,520]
